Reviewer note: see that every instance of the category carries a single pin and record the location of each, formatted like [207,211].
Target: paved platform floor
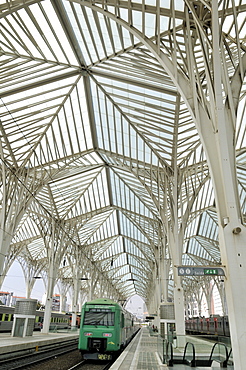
[142,354]
[139,354]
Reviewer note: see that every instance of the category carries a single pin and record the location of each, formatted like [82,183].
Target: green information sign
[200,271]
[211,272]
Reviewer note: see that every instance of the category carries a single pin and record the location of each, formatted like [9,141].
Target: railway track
[36,360]
[58,358]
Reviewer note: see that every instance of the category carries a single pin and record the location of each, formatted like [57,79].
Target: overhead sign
[200,271]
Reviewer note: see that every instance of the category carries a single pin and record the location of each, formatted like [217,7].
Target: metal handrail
[167,357]
[224,362]
[192,362]
[230,357]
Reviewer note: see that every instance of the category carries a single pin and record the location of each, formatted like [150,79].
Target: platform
[142,354]
[139,354]
[32,343]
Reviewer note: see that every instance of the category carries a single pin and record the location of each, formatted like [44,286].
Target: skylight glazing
[96,131]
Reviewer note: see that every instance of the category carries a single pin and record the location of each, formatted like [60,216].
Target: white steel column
[232,234]
[63,286]
[218,136]
[175,240]
[234,257]
[51,278]
[165,264]
[76,285]
[179,307]
[49,297]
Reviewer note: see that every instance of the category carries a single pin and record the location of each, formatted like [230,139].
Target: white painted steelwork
[122,148]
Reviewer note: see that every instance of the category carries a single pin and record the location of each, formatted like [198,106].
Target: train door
[201,325]
[207,325]
[123,329]
[215,326]
[226,326]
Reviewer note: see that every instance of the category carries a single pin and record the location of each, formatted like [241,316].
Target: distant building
[56,303]
[56,300]
[8,299]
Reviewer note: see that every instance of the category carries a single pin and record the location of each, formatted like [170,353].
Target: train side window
[1,317]
[6,317]
[122,321]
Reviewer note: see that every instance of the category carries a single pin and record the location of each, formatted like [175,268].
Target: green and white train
[105,329]
[58,320]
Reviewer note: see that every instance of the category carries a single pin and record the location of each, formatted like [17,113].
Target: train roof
[105,301]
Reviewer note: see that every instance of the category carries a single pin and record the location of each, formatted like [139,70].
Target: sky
[136,305]
[15,282]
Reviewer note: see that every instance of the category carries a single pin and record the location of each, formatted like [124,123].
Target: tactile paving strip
[147,361]
[147,357]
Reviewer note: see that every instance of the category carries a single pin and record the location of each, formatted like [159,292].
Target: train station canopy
[95,134]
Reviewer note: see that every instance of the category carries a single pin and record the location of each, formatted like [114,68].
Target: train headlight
[108,335]
[88,334]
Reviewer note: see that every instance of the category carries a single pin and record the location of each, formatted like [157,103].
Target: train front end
[100,330]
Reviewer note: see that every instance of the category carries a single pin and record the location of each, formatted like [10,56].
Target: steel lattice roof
[92,126]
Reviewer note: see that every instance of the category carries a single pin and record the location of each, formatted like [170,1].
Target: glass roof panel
[37,33]
[96,124]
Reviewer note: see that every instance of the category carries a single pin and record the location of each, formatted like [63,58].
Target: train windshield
[97,316]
